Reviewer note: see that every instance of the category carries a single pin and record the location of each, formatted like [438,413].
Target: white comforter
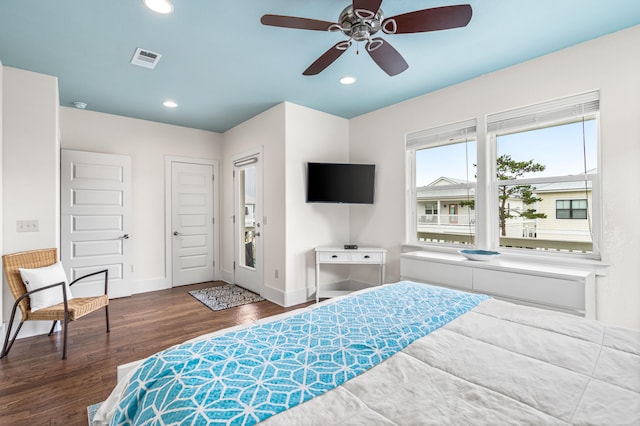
[498,364]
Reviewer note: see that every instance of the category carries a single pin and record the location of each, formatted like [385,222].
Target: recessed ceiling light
[170,104]
[80,105]
[348,80]
[160,6]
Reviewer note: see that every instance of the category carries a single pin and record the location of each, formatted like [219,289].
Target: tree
[508,169]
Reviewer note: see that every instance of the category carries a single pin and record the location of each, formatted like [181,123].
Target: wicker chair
[68,310]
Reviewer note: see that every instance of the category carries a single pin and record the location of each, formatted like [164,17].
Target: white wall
[290,135]
[147,143]
[311,136]
[610,64]
[30,168]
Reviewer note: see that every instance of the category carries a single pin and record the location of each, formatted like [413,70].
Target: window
[571,209]
[443,184]
[534,168]
[546,167]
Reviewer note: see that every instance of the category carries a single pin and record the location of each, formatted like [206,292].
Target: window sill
[509,258]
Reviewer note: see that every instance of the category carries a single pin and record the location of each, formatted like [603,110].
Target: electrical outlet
[27,226]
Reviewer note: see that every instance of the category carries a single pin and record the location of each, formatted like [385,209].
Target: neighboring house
[568,209]
[445,206]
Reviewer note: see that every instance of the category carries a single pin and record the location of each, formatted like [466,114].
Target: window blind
[442,135]
[544,113]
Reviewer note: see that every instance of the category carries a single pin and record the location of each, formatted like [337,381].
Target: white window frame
[556,112]
[448,134]
[545,114]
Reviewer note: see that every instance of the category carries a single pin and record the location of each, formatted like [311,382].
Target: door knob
[257,234]
[125,237]
[176,233]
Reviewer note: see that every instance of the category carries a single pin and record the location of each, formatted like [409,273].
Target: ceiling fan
[362,19]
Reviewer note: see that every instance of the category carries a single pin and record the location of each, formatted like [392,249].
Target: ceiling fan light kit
[362,19]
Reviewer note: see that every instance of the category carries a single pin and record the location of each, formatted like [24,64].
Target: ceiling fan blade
[372,6]
[295,22]
[386,56]
[437,18]
[327,58]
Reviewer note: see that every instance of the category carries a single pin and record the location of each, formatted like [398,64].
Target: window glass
[445,193]
[544,177]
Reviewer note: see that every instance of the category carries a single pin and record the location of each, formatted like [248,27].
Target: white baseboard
[226,276]
[287,299]
[274,295]
[304,295]
[296,297]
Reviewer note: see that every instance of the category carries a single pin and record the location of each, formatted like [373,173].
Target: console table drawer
[329,257]
[366,257]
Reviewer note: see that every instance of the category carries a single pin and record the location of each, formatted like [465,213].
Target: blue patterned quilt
[245,376]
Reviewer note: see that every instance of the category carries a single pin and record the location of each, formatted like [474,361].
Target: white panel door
[96,212]
[248,257]
[192,223]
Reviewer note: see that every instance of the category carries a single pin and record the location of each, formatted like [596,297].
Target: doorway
[191,226]
[247,219]
[95,214]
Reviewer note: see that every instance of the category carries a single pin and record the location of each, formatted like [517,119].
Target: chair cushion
[42,277]
[78,307]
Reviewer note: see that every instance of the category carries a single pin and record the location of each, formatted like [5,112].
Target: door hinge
[234,218]
[214,263]
[234,265]
[213,220]
[213,177]
[233,173]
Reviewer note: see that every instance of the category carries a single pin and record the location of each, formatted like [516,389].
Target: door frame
[168,237]
[257,152]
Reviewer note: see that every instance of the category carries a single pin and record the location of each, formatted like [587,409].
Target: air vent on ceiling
[145,58]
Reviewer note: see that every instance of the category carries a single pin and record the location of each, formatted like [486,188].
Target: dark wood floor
[39,388]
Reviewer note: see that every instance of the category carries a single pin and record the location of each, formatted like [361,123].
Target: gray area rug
[225,296]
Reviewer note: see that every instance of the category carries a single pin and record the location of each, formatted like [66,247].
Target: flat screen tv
[340,183]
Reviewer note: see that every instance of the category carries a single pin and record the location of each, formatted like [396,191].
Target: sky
[559,148]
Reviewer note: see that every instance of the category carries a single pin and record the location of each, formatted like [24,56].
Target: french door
[248,257]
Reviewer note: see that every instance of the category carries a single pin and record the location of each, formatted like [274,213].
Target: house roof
[441,189]
[221,66]
[435,189]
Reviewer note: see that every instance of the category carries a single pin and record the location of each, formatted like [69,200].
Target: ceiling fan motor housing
[360,25]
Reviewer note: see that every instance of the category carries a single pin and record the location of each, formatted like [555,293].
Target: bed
[402,353]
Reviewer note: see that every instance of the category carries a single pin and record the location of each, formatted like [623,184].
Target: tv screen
[340,183]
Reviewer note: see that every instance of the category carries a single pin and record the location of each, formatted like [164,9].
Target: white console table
[359,256]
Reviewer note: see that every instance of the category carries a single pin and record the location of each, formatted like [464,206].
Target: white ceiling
[222,66]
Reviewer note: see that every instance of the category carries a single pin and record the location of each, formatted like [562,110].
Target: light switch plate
[27,226]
